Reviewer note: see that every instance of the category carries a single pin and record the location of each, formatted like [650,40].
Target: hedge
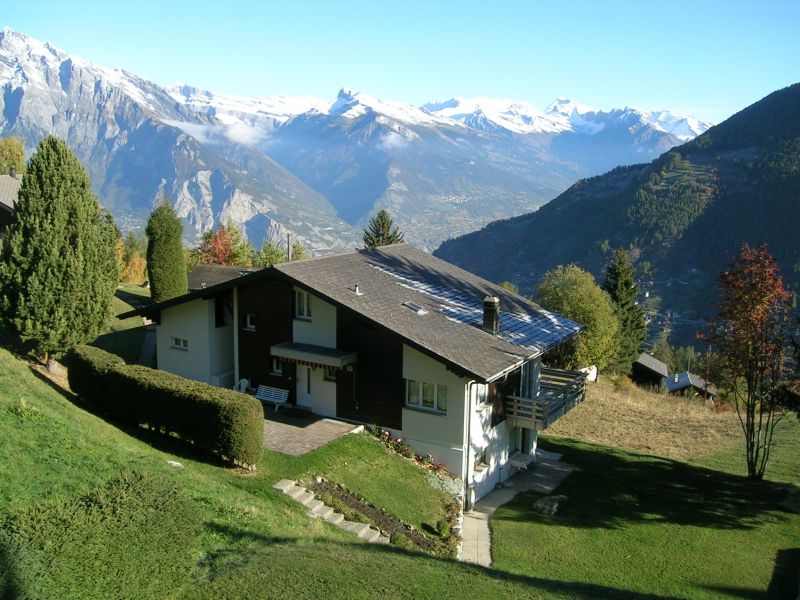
[223,422]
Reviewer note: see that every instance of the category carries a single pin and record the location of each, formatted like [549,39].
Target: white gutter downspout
[468,446]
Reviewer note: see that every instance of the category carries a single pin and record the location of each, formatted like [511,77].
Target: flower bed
[401,447]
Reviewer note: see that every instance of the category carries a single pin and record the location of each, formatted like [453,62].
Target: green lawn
[125,336]
[647,525]
[89,511]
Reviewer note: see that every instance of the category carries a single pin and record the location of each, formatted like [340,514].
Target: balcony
[559,392]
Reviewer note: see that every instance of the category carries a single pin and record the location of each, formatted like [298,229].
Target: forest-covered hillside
[684,215]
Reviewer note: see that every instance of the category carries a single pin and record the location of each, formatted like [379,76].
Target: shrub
[222,422]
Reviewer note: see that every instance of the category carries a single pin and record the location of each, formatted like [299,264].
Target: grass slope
[644,524]
[87,509]
[628,417]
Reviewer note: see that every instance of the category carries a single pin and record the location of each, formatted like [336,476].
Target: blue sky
[704,58]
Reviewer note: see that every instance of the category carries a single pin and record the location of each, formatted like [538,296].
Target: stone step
[359,529]
[315,505]
[304,497]
[284,484]
[324,512]
[295,491]
[335,518]
[381,539]
[370,535]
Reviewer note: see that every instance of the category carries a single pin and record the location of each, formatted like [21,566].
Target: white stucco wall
[323,394]
[428,432]
[210,354]
[321,329]
[188,321]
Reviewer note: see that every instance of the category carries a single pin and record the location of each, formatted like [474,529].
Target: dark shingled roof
[205,276]
[451,299]
[9,187]
[652,363]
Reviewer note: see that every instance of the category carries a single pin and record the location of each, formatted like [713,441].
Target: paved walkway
[295,434]
[543,477]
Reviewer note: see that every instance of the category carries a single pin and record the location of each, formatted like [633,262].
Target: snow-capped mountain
[312,167]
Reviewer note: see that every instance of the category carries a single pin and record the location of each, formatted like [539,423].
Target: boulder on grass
[549,505]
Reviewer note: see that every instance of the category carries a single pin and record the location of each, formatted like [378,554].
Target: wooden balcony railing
[559,391]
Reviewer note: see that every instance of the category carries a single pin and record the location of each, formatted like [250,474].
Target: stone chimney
[491,314]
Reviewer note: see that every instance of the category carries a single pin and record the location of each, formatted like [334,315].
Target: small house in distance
[392,336]
[688,384]
[647,371]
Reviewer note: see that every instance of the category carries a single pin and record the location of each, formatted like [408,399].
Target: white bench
[276,396]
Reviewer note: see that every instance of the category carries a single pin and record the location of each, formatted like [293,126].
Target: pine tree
[381,231]
[166,265]
[298,252]
[622,289]
[59,268]
[269,254]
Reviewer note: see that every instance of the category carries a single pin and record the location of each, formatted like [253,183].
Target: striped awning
[315,356]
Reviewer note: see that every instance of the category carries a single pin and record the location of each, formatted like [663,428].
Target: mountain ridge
[299,165]
[685,215]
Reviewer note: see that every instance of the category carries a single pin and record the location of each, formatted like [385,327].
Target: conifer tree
[298,252]
[622,289]
[269,254]
[382,231]
[59,268]
[166,265]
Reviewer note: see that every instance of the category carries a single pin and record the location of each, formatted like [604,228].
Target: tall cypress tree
[622,288]
[381,231]
[166,266]
[59,268]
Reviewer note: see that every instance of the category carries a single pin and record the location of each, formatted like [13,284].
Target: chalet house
[392,336]
[689,384]
[648,371]
[9,187]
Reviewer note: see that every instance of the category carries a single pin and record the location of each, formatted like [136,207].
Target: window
[430,396]
[330,374]
[302,305]
[250,321]
[179,343]
[412,392]
[481,394]
[480,460]
[277,366]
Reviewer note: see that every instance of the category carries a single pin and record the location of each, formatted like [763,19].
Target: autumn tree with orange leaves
[750,333]
[225,246]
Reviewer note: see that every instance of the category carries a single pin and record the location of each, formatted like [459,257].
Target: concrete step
[359,529]
[284,484]
[315,505]
[304,497]
[335,518]
[381,539]
[323,512]
[295,492]
[370,535]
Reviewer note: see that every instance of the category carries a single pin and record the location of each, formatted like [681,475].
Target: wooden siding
[270,300]
[374,391]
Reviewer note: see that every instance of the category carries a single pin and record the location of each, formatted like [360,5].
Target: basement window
[416,308]
[179,343]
